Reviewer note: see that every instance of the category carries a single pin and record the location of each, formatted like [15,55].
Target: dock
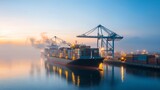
[118,62]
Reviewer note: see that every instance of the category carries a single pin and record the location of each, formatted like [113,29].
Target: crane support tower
[105,38]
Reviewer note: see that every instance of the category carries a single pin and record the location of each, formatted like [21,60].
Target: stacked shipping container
[77,52]
[141,58]
[129,58]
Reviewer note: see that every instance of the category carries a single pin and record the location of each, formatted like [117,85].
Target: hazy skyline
[137,20]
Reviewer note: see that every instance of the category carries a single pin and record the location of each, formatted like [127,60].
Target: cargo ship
[78,55]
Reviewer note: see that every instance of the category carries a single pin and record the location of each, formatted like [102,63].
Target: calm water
[30,72]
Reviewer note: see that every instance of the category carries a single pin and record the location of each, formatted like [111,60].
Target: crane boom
[60,41]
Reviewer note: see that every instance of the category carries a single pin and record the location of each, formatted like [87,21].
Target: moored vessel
[78,55]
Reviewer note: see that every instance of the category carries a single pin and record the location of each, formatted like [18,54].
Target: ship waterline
[85,63]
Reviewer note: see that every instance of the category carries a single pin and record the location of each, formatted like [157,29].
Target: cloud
[41,43]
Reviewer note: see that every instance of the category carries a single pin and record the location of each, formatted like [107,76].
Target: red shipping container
[129,59]
[152,61]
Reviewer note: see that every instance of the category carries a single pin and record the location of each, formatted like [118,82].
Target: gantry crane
[105,38]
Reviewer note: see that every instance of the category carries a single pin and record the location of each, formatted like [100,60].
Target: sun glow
[18,41]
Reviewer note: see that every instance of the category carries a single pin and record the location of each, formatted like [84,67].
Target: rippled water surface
[25,69]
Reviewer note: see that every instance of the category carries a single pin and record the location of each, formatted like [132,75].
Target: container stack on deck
[75,52]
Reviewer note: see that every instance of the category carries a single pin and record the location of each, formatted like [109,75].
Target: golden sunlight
[13,69]
[17,41]
[17,68]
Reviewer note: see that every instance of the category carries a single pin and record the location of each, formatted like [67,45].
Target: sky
[138,21]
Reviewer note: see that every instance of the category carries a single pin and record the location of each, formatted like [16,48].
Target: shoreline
[138,65]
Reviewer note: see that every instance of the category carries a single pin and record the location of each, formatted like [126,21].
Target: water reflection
[31,74]
[36,67]
[141,72]
[19,68]
[78,77]
[122,73]
[135,71]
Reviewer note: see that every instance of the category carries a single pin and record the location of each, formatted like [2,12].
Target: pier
[147,66]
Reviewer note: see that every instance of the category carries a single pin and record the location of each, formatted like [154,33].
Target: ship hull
[76,63]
